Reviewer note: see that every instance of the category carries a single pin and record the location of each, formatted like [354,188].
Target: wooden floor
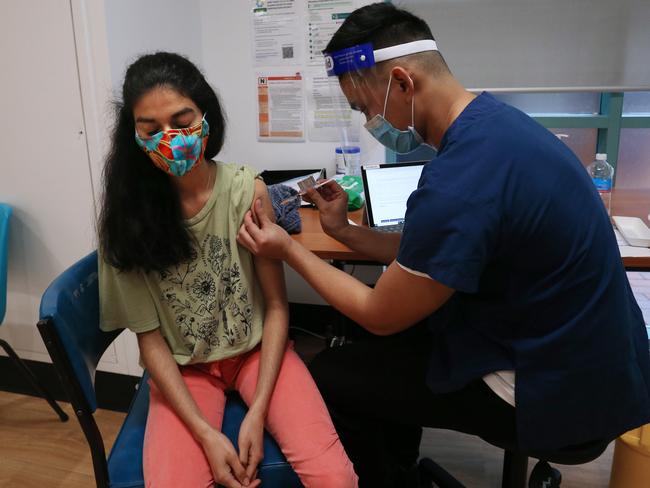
[37,450]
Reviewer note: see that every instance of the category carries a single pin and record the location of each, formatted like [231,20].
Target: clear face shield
[357,82]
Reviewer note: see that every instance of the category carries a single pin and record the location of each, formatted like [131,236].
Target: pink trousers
[297,419]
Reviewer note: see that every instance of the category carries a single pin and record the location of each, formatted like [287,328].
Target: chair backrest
[5,213]
[71,305]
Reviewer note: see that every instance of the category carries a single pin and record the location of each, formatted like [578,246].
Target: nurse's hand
[261,236]
[332,203]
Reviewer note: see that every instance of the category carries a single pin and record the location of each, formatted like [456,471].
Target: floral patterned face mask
[176,151]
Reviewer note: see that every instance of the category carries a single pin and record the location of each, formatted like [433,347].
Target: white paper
[328,112]
[277,39]
[634,252]
[628,251]
[323,19]
[293,183]
[281,109]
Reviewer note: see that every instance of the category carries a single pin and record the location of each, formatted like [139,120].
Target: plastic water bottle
[348,160]
[601,173]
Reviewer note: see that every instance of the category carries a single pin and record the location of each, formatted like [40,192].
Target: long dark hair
[141,224]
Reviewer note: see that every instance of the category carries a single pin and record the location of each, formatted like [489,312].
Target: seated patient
[209,316]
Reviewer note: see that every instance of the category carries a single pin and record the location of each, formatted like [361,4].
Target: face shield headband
[363,56]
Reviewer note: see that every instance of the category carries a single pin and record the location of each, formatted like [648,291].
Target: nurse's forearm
[380,246]
[398,300]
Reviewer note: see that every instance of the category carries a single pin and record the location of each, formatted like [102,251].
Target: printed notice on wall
[328,112]
[276,33]
[281,111]
[323,19]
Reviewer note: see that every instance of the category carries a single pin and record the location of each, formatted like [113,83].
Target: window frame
[609,122]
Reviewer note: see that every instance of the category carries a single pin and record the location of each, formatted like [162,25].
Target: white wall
[53,134]
[45,171]
[595,45]
[227,63]
[146,26]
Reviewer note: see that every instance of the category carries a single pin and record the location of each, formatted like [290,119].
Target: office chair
[515,466]
[5,214]
[69,325]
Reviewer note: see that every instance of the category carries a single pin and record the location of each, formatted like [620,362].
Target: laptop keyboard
[390,228]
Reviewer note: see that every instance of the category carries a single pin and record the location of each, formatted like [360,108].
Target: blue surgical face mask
[400,141]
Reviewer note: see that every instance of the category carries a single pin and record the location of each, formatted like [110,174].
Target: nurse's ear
[403,79]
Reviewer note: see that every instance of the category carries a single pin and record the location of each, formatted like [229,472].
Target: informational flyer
[323,19]
[277,38]
[328,111]
[281,110]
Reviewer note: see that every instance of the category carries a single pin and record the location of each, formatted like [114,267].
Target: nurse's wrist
[338,232]
[344,233]
[292,253]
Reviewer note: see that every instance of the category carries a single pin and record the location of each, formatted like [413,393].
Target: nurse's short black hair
[382,24]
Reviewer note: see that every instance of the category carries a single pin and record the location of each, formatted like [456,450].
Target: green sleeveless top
[208,309]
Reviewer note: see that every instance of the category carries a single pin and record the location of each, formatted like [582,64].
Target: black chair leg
[33,380]
[515,470]
[544,476]
[432,472]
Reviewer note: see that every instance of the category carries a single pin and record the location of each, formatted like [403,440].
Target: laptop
[387,187]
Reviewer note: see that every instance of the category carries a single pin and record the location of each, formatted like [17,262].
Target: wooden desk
[313,238]
[631,203]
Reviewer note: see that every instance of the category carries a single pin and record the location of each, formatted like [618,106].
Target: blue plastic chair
[5,215]
[69,325]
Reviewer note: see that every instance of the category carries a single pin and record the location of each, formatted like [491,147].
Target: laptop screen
[387,188]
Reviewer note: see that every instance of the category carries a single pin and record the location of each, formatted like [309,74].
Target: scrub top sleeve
[447,238]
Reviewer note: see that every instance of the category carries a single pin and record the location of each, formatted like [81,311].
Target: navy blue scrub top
[507,216]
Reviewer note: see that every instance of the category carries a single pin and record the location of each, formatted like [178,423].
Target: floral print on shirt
[208,298]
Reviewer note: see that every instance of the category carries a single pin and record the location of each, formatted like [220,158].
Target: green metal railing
[609,122]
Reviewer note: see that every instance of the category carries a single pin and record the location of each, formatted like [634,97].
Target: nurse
[505,306]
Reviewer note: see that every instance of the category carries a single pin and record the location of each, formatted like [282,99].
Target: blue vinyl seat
[69,325]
